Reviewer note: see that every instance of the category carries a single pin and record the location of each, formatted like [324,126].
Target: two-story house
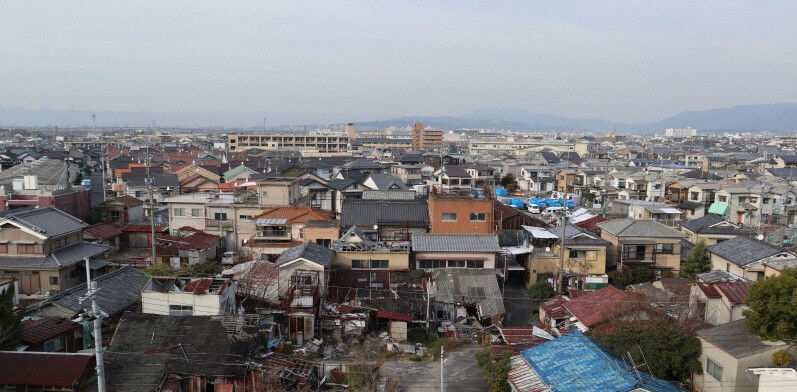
[482,175]
[642,243]
[742,256]
[188,296]
[408,174]
[585,254]
[279,191]
[453,179]
[281,228]
[43,250]
[451,213]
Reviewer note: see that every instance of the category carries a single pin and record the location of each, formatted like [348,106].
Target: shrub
[782,358]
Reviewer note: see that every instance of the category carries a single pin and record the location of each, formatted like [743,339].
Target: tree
[160,269]
[697,262]
[95,215]
[668,353]
[495,368]
[508,179]
[206,268]
[628,276]
[540,291]
[782,358]
[772,307]
[11,326]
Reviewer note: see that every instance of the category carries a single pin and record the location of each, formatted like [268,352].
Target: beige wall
[281,194]
[720,263]
[396,261]
[488,258]
[734,377]
[287,270]
[311,234]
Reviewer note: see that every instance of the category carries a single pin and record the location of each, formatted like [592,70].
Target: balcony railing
[224,223]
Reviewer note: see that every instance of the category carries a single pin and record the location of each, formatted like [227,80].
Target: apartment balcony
[223,223]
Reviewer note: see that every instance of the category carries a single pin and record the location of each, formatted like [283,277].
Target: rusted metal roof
[104,230]
[523,377]
[736,292]
[708,289]
[395,316]
[46,329]
[44,369]
[599,305]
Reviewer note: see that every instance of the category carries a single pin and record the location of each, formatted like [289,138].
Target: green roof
[236,171]
[719,209]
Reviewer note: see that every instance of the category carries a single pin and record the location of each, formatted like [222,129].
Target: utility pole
[96,315]
[442,362]
[561,278]
[151,188]
[102,155]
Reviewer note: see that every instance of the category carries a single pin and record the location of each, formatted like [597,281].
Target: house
[386,220]
[105,233]
[165,185]
[576,363]
[455,250]
[279,191]
[482,175]
[138,233]
[456,214]
[465,293]
[585,254]
[322,231]
[773,378]
[42,249]
[742,256]
[52,334]
[34,371]
[642,243]
[719,302]
[305,257]
[241,172]
[727,352]
[356,251]
[775,264]
[383,182]
[123,209]
[280,228]
[188,296]
[188,246]
[692,209]
[409,174]
[154,352]
[120,291]
[316,194]
[711,229]
[343,189]
[452,178]
[606,304]
[566,180]
[198,183]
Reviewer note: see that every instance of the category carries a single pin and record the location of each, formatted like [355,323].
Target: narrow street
[517,305]
[461,372]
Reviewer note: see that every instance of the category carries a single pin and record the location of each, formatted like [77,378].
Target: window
[664,248]
[713,369]
[139,194]
[753,200]
[179,212]
[578,254]
[265,194]
[181,310]
[196,212]
[449,217]
[116,215]
[694,196]
[53,280]
[54,345]
[245,217]
[220,216]
[475,264]
[765,200]
[728,267]
[325,242]
[478,217]
[29,248]
[456,263]
[379,264]
[74,273]
[722,199]
[742,199]
[359,264]
[464,181]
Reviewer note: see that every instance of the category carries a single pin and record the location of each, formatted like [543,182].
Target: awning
[719,209]
[270,221]
[517,250]
[95,264]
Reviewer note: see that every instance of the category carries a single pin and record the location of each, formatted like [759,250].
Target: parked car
[228,258]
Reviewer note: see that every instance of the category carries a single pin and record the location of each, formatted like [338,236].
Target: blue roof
[576,363]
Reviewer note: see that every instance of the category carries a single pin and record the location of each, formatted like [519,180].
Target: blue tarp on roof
[576,363]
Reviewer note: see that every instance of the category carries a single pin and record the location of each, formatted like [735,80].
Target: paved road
[518,307]
[461,372]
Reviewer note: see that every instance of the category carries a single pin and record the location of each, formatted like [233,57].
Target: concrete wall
[488,258]
[154,302]
[463,208]
[287,270]
[734,377]
[397,261]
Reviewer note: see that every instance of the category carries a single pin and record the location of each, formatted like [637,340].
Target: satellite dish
[547,248]
[760,237]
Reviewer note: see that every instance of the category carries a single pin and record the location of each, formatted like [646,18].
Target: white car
[228,258]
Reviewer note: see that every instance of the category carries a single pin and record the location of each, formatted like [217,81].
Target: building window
[753,199]
[694,196]
[449,217]
[181,310]
[359,264]
[179,212]
[54,345]
[714,369]
[664,248]
[728,267]
[265,194]
[220,216]
[245,217]
[722,199]
[478,217]
[742,199]
[325,242]
[53,280]
[379,264]
[139,194]
[196,212]
[765,200]
[29,248]
[578,254]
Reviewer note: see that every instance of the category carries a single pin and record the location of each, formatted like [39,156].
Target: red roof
[521,338]
[104,230]
[44,369]
[599,305]
[736,292]
[143,229]
[198,240]
[45,329]
[129,201]
[295,214]
[395,316]
[554,307]
[708,289]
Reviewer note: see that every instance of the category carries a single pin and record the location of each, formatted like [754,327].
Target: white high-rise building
[680,132]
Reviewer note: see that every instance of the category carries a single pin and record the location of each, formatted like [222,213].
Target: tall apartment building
[426,139]
[321,142]
[680,132]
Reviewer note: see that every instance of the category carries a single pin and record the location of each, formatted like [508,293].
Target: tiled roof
[481,243]
[736,340]
[120,290]
[57,259]
[49,222]
[456,171]
[160,181]
[129,201]
[293,214]
[719,275]
[104,230]
[388,194]
[742,250]
[367,213]
[387,181]
[638,228]
[340,184]
[47,328]
[59,370]
[600,305]
[197,241]
[466,285]
[310,251]
[575,363]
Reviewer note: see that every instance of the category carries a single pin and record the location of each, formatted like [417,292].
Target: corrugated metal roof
[743,251]
[388,194]
[481,243]
[639,228]
[459,285]
[367,213]
[736,292]
[46,329]
[539,232]
[523,377]
[44,369]
[270,221]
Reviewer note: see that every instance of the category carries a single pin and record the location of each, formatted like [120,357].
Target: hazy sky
[622,61]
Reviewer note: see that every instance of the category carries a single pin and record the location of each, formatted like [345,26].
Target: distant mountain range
[771,117]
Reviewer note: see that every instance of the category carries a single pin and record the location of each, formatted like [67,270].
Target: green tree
[773,307]
[160,269]
[782,358]
[206,268]
[95,215]
[495,368]
[697,262]
[540,291]
[508,179]
[11,326]
[628,276]
[588,197]
[668,353]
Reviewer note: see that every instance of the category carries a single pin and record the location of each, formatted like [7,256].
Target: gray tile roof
[696,225]
[639,228]
[48,221]
[735,339]
[483,243]
[57,259]
[310,251]
[160,180]
[387,181]
[465,285]
[367,213]
[742,250]
[388,194]
[119,290]
[720,276]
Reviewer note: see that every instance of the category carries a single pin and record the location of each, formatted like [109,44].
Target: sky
[625,61]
